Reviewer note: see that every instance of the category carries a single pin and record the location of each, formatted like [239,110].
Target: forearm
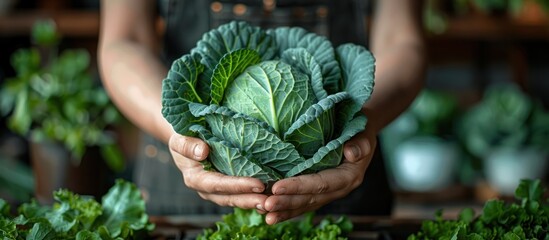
[398,46]
[399,78]
[133,75]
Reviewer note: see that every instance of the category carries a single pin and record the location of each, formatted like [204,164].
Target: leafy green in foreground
[121,215]
[528,219]
[248,224]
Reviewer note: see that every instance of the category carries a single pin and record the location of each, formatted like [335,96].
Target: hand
[297,195]
[241,192]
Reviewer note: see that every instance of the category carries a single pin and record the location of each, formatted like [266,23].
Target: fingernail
[355,151]
[273,220]
[198,150]
[280,191]
[257,190]
[259,207]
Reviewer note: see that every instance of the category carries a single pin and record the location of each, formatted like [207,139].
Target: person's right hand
[224,190]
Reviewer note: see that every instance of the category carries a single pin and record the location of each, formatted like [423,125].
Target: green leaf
[492,210]
[103,232]
[8,228]
[33,210]
[330,155]
[511,236]
[4,208]
[113,157]
[467,215]
[318,46]
[20,121]
[248,224]
[81,209]
[498,220]
[508,106]
[272,92]
[25,62]
[358,66]
[252,138]
[230,37]
[62,218]
[42,231]
[87,235]
[70,212]
[313,129]
[305,62]
[71,64]
[74,216]
[123,210]
[244,217]
[230,161]
[44,33]
[530,190]
[178,90]
[229,67]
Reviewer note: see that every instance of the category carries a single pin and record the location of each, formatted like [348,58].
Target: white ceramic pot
[505,167]
[425,164]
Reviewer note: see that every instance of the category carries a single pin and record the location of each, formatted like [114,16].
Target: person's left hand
[297,195]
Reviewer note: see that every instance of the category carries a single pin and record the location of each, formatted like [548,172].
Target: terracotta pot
[54,168]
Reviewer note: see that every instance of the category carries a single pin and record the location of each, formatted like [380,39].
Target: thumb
[189,147]
[357,147]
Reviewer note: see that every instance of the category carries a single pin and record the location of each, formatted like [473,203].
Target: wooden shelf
[70,23]
[494,29]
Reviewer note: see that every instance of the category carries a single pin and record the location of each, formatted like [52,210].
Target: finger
[218,183]
[188,167]
[276,217]
[195,177]
[276,203]
[260,211]
[190,147]
[357,147]
[329,180]
[186,164]
[244,201]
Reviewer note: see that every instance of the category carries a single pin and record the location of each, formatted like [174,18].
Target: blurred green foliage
[437,12]
[54,97]
[432,114]
[505,117]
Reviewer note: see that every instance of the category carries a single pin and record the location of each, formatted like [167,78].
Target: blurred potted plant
[434,19]
[526,11]
[421,153]
[54,101]
[532,12]
[509,132]
[544,4]
[498,7]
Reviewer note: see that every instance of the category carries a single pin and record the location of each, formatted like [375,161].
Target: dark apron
[186,20]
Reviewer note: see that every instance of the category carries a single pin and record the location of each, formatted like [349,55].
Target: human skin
[132,72]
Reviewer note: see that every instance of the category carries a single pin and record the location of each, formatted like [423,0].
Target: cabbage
[271,104]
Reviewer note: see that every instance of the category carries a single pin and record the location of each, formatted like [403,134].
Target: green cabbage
[271,104]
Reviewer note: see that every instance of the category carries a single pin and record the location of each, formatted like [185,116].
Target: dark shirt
[342,21]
